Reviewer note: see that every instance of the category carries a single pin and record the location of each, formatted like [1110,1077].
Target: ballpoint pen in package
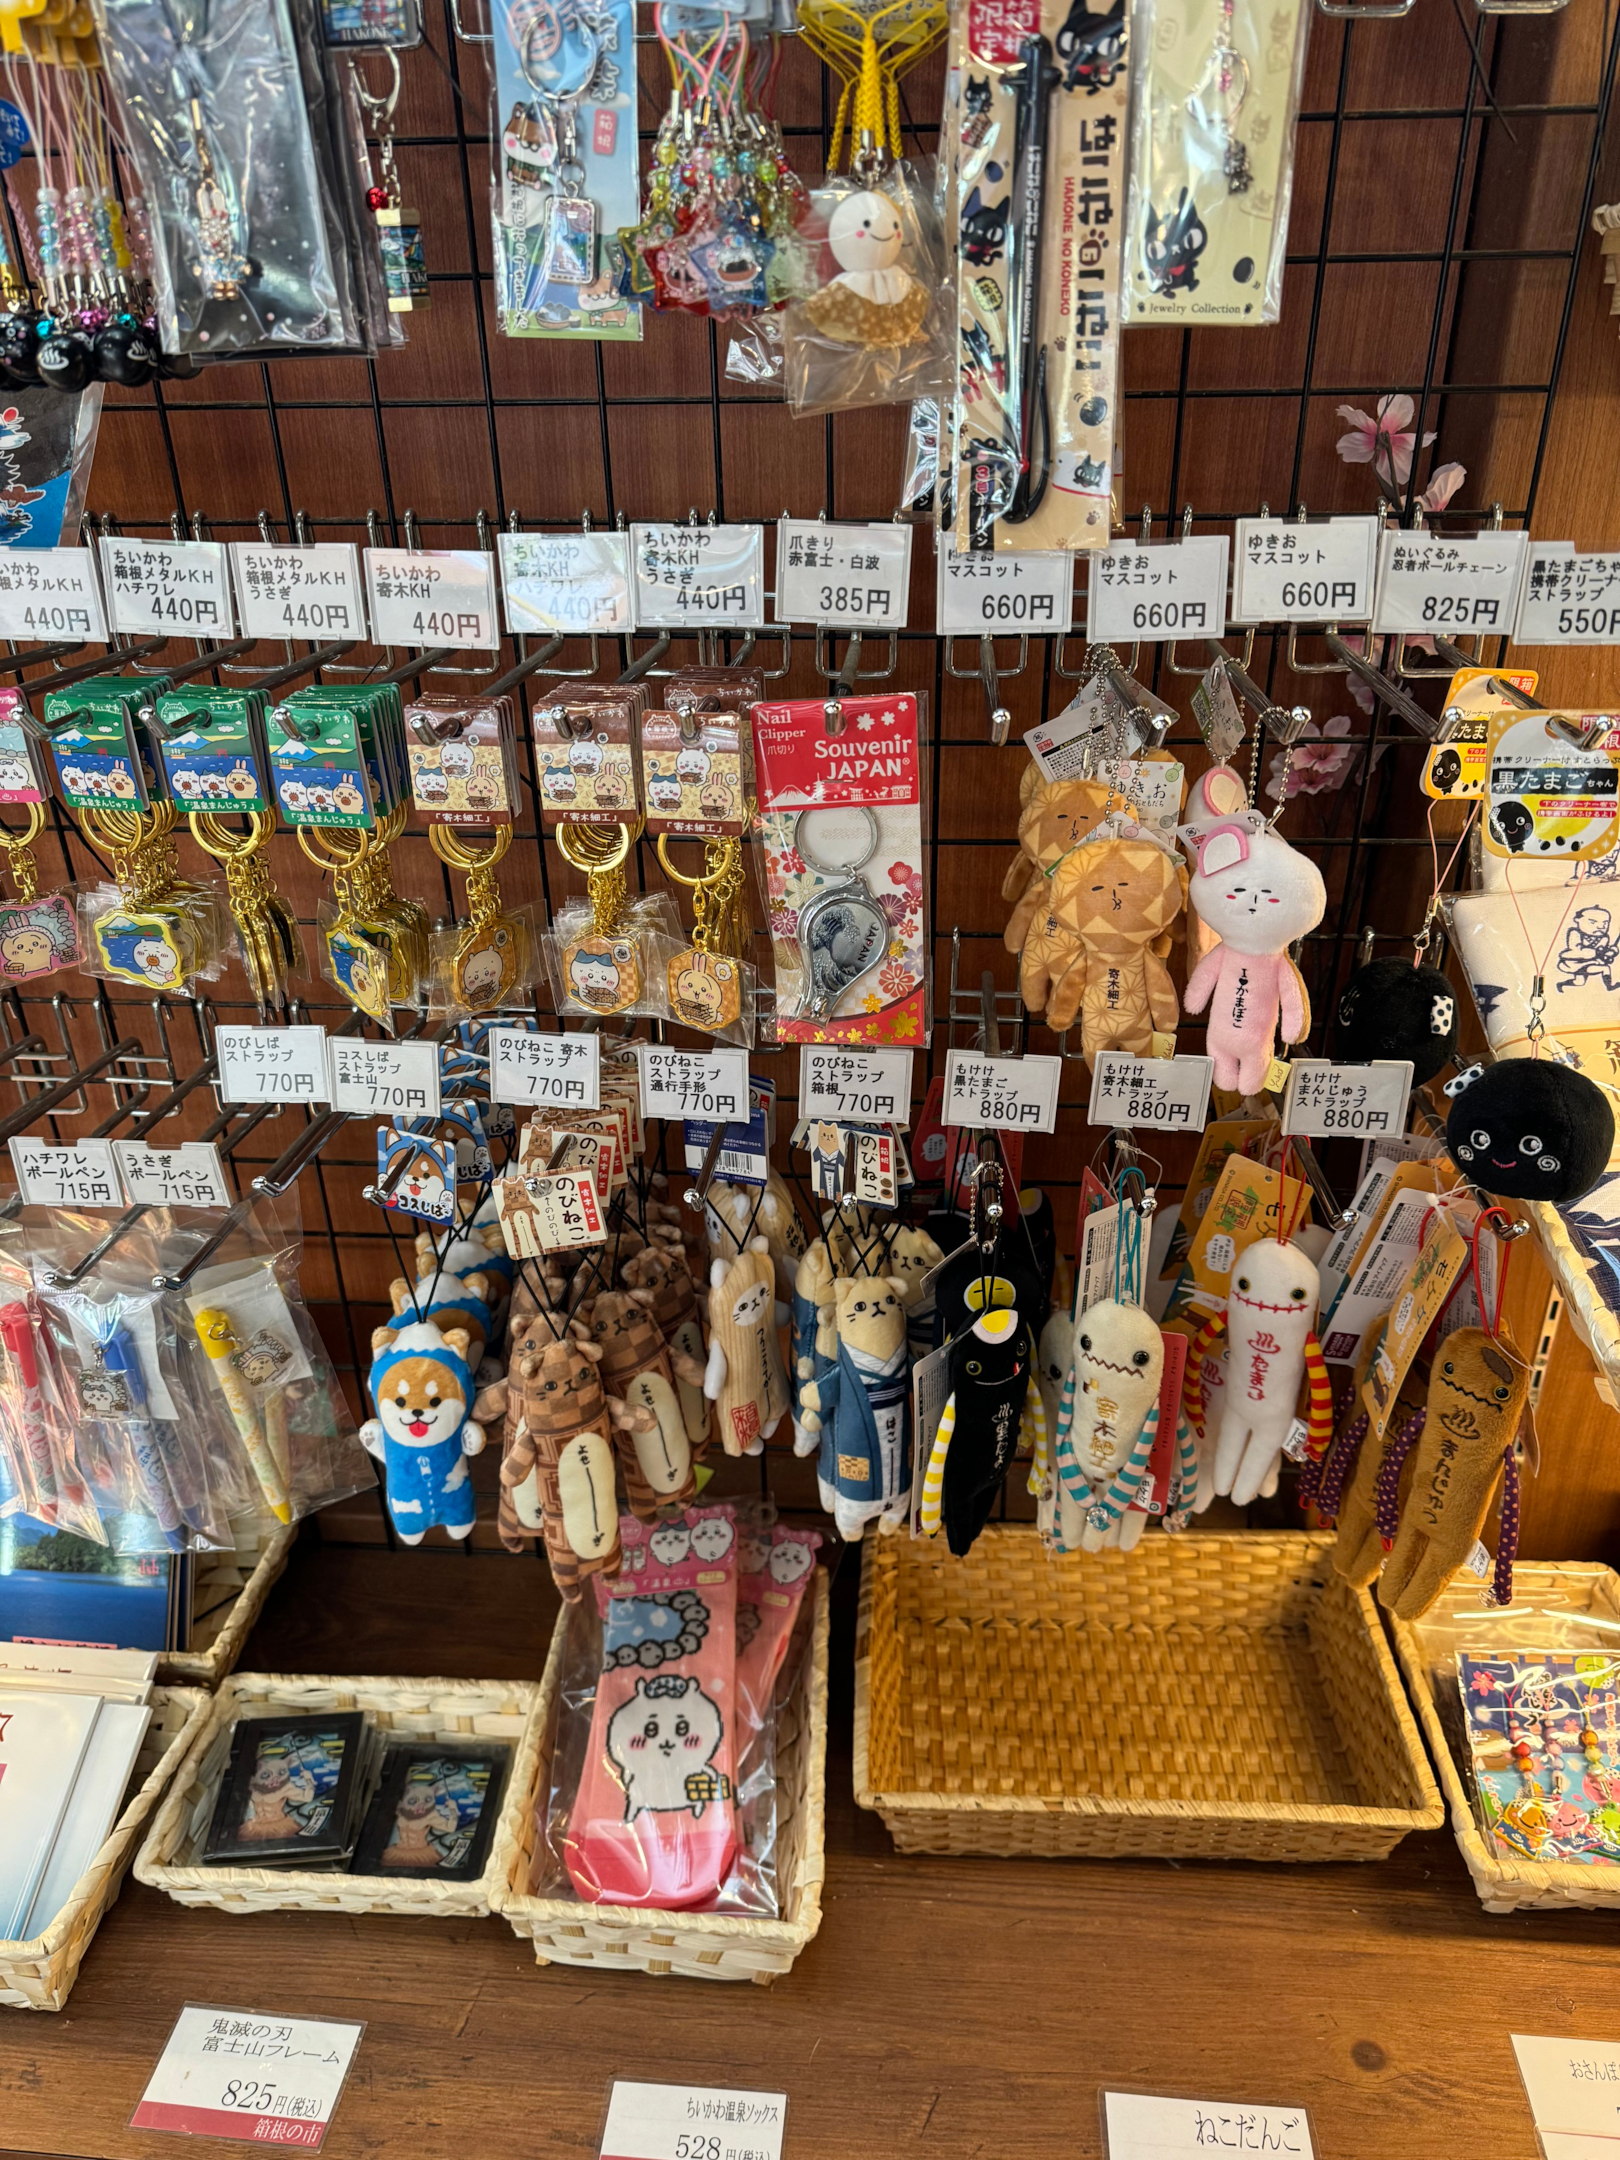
[36,1429]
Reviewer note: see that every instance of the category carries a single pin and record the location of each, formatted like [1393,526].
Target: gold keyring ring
[36,825]
[593,865]
[450,849]
[228,846]
[680,876]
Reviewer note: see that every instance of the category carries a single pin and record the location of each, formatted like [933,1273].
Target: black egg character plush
[19,347]
[1391,1009]
[1530,1129]
[67,360]
[126,353]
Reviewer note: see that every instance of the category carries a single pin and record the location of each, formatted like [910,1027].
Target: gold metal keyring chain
[19,853]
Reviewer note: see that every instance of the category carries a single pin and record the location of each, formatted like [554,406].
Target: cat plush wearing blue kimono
[860,1408]
[422,1435]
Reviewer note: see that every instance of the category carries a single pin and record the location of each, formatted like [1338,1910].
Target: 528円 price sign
[692,2122]
[1001,1094]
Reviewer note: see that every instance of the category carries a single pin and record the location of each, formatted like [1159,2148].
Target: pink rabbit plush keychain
[1258,895]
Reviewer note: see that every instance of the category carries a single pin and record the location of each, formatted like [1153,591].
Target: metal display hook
[1084,672]
[1168,654]
[1336,1217]
[696,1196]
[991,674]
[1356,663]
[65,678]
[842,681]
[1285,724]
[38,1106]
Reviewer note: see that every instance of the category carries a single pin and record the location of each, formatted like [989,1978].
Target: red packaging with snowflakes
[841,789]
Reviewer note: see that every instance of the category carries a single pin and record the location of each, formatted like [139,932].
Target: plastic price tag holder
[180,587]
[1007,1094]
[272,1064]
[83,1174]
[249,2075]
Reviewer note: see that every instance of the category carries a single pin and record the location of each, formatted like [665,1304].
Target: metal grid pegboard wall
[1447,162]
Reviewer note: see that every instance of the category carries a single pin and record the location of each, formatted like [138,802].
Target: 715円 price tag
[1006,1094]
[83,1173]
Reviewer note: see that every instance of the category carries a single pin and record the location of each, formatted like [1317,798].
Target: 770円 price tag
[709,1084]
[692,2122]
[272,1064]
[873,1086]
[1006,1094]
[242,2074]
[529,1068]
[1325,1101]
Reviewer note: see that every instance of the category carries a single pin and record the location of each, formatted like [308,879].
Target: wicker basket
[39,1975]
[1205,1697]
[1505,1884]
[229,1596]
[703,1946]
[446,1710]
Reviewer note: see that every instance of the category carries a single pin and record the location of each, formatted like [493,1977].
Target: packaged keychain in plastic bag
[39,932]
[38,1440]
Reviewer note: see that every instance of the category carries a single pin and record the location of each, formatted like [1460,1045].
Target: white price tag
[83,1174]
[694,1083]
[567,584]
[1011,1094]
[1427,582]
[400,1079]
[871,1087]
[1481,1561]
[1568,599]
[856,574]
[1170,1094]
[444,598]
[1168,589]
[562,1069]
[181,587]
[1144,2126]
[1574,2089]
[1031,592]
[692,2122]
[265,2079]
[299,592]
[1324,1101]
[1283,571]
[50,593]
[260,1064]
[189,1174]
[693,577]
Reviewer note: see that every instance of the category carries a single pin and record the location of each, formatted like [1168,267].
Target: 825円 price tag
[828,573]
[874,1085]
[400,1077]
[1168,1094]
[710,1084]
[529,1068]
[272,1064]
[1325,1101]
[1007,1094]
[262,2079]
[1428,582]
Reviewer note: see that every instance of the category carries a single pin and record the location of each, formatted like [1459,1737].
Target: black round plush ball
[1391,1009]
[1529,1129]
[67,360]
[126,353]
[19,347]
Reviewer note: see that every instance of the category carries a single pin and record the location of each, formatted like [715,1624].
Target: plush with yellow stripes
[1108,1420]
[990,1403]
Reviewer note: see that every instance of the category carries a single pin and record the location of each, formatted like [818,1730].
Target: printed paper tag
[1171,1094]
[178,586]
[744,1155]
[1143,2126]
[693,577]
[855,574]
[265,2079]
[84,1174]
[400,1077]
[930,1392]
[566,584]
[50,593]
[299,592]
[1215,708]
[857,1084]
[189,1174]
[1297,1444]
[710,1084]
[1167,589]
[1007,1094]
[1568,599]
[439,598]
[1326,1101]
[562,1069]
[1287,572]
[548,1213]
[1032,591]
[272,1064]
[1545,796]
[1481,1561]
[692,2122]
[1427,582]
[1573,2087]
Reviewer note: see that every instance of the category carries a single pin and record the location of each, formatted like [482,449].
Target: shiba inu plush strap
[422,1386]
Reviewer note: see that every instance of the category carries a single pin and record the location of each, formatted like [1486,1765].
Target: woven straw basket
[1560,1589]
[39,1975]
[230,1592]
[445,1710]
[702,1946]
[1204,1697]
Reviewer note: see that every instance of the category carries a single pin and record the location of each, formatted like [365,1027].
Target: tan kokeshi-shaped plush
[1478,1387]
[557,1476]
[735,1214]
[638,1369]
[1111,900]
[745,1375]
[674,1309]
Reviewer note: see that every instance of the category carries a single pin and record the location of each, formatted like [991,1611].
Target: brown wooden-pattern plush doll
[1111,900]
[1056,816]
[745,1375]
[557,1478]
[639,1368]
[674,1308]
[1478,1388]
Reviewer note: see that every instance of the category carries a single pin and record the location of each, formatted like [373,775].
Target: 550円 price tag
[692,2122]
[1006,1094]
[248,2075]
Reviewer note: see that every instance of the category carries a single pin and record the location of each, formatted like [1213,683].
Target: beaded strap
[1387,1501]
[1330,1475]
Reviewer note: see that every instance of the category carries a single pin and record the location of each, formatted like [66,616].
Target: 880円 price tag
[1324,1101]
[1167,1094]
[1001,1094]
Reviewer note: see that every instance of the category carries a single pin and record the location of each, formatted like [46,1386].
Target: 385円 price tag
[299,592]
[1007,1094]
[272,1064]
[188,1174]
[710,1084]
[264,2079]
[398,1078]
[50,593]
[1031,592]
[529,1068]
[1283,571]
[445,598]
[869,1085]
[1167,589]
[1568,599]
[1428,582]
[1325,1101]
[692,2122]
[82,1174]
[178,586]
[567,584]
[695,576]
[1169,1094]
[857,574]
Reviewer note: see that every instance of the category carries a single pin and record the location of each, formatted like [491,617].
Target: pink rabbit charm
[1258,894]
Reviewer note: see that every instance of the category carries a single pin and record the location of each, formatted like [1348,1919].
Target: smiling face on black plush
[1528,1129]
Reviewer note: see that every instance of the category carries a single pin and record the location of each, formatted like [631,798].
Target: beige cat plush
[745,1380]
[1111,902]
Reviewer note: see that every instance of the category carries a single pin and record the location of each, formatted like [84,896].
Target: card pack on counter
[1543,1731]
[434,1812]
[292,1792]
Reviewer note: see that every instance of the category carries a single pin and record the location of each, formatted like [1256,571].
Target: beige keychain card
[1435,1271]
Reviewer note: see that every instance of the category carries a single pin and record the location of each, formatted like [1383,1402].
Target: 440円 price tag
[272,1064]
[870,1085]
[299,592]
[689,576]
[526,1068]
[50,593]
[1324,1101]
[1168,1094]
[441,598]
[1003,1094]
[247,2075]
[568,584]
[180,586]
[710,1084]
[692,2122]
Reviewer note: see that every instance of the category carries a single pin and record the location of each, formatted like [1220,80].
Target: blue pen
[119,1355]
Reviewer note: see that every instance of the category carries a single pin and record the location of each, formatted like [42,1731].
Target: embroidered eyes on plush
[1297,1293]
[1479,1143]
[1502,1393]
